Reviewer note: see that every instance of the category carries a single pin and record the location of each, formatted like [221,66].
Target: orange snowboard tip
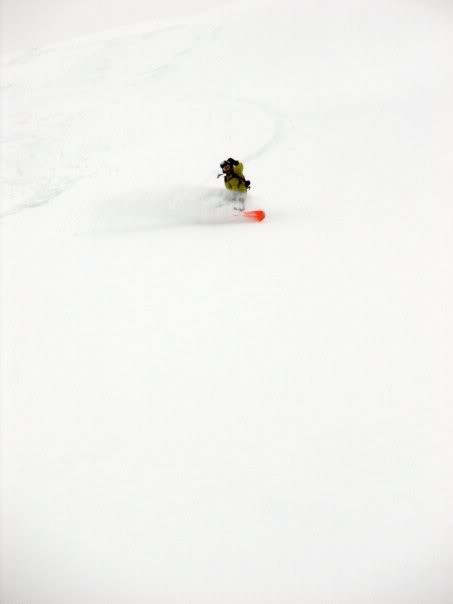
[257,215]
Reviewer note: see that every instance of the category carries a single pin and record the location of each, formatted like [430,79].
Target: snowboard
[255,215]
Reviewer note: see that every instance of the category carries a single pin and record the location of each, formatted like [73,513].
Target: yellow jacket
[232,182]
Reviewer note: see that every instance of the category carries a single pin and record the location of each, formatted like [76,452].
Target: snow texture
[196,409]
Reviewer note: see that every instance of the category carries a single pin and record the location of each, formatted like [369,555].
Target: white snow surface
[195,409]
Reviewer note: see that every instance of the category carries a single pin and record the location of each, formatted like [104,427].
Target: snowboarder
[235,182]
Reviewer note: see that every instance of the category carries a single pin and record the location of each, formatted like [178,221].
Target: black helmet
[229,162]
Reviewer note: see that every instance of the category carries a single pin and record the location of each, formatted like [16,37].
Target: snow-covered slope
[195,409]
